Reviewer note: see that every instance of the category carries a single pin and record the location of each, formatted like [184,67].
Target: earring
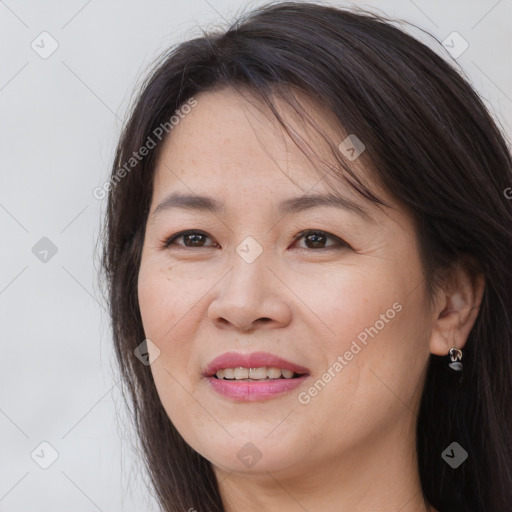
[455,357]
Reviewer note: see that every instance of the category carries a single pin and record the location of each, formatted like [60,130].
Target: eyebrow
[201,203]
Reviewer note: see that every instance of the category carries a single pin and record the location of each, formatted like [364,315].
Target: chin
[251,458]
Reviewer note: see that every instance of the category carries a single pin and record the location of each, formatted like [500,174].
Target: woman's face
[346,305]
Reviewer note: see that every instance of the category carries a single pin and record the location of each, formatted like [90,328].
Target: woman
[307,250]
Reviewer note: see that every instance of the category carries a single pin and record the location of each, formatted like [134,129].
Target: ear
[456,310]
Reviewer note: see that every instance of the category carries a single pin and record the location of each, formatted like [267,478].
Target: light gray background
[60,119]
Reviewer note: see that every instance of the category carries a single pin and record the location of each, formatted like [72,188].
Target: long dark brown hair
[432,144]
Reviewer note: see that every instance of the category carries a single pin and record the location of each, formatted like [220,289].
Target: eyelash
[340,244]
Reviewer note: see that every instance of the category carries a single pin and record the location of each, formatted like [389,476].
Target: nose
[250,296]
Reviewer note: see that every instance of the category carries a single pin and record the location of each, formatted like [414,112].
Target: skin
[352,447]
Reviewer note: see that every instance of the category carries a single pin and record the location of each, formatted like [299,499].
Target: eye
[314,238]
[317,239]
[194,238]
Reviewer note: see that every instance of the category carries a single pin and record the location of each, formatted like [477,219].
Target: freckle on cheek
[166,272]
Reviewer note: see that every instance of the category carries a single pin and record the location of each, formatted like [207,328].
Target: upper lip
[252,360]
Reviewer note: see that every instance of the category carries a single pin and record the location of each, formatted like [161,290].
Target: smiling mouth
[250,384]
[255,374]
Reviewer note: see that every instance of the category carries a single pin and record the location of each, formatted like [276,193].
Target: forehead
[231,143]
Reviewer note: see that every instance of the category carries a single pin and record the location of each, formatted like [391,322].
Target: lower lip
[246,391]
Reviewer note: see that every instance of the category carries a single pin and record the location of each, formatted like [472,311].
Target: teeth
[229,373]
[254,373]
[241,373]
[259,373]
[273,373]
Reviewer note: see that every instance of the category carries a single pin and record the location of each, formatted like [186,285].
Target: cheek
[163,297]
[346,302]
[168,319]
[155,301]
[375,320]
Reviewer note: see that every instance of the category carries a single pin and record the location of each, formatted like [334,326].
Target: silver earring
[455,357]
